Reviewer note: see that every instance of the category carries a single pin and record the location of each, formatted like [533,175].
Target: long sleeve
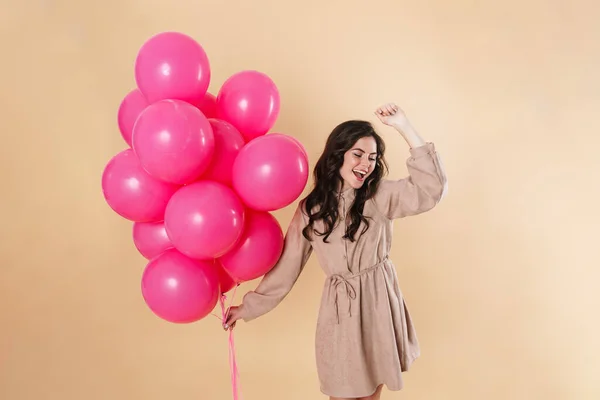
[278,282]
[420,191]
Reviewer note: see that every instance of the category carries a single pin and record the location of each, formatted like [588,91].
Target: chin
[354,183]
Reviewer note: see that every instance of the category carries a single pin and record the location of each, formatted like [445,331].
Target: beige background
[501,278]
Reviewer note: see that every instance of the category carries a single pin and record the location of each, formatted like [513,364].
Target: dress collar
[347,194]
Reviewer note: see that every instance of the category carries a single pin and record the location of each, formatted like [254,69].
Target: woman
[365,337]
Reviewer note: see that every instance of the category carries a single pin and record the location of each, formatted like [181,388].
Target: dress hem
[353,396]
[391,388]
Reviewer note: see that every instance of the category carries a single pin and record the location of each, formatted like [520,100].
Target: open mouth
[360,175]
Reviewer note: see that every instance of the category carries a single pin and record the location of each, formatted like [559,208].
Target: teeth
[360,172]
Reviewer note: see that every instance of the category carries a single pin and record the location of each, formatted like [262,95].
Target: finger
[229,326]
[226,322]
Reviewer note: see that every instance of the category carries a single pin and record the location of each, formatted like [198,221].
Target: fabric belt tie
[350,291]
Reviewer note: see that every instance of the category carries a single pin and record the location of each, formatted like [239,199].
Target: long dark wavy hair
[322,202]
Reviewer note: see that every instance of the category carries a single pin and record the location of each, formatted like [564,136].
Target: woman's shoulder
[380,197]
[301,212]
[304,205]
[384,186]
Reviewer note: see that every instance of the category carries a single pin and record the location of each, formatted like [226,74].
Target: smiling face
[359,162]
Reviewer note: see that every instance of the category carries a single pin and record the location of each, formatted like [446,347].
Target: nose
[364,164]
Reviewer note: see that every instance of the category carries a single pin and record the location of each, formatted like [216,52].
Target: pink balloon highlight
[204,219]
[179,289]
[257,251]
[172,65]
[174,141]
[131,192]
[150,238]
[129,110]
[270,172]
[250,101]
[298,142]
[228,143]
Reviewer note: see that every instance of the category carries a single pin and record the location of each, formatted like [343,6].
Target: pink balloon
[131,107]
[171,65]
[270,172]
[250,101]
[208,105]
[299,143]
[226,282]
[174,141]
[179,289]
[257,251]
[131,192]
[204,219]
[150,238]
[228,143]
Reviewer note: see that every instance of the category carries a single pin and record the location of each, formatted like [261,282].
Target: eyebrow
[359,149]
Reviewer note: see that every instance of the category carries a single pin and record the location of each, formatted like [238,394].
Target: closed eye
[360,156]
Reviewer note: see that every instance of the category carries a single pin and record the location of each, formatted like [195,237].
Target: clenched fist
[391,115]
[231,316]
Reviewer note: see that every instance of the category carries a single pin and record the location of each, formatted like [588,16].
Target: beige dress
[364,334]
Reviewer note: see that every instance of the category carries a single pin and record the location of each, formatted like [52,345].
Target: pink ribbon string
[232,360]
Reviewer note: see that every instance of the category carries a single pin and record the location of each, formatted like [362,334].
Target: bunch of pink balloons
[199,177]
